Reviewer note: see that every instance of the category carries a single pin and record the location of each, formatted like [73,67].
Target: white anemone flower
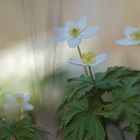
[10,104]
[18,102]
[73,33]
[89,59]
[132,37]
[23,101]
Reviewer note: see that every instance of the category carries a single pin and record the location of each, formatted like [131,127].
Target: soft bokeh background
[29,60]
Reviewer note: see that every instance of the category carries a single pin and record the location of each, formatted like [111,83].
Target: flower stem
[90,71]
[79,51]
[80,54]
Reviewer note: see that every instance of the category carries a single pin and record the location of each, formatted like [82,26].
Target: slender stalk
[80,54]
[90,71]
[79,51]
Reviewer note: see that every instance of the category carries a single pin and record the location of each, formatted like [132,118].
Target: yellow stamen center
[88,58]
[135,36]
[74,32]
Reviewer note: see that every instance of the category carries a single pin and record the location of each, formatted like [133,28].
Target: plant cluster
[16,122]
[103,98]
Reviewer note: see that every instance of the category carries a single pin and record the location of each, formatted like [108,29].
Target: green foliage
[22,130]
[112,77]
[87,127]
[87,109]
[82,122]
[127,101]
[80,90]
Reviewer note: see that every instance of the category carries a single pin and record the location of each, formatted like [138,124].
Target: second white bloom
[18,102]
[89,59]
[132,37]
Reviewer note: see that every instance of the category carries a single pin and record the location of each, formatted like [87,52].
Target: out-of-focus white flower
[73,33]
[23,101]
[89,59]
[10,104]
[132,36]
[16,103]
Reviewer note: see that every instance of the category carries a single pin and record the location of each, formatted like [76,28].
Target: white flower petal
[60,30]
[127,42]
[129,30]
[82,23]
[62,37]
[28,106]
[74,42]
[10,98]
[27,97]
[99,59]
[77,61]
[59,39]
[68,25]
[89,32]
[101,56]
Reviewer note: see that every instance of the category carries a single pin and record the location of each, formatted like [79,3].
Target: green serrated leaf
[76,107]
[78,92]
[90,123]
[112,77]
[127,101]
[123,86]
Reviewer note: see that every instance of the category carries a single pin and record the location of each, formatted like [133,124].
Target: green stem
[79,51]
[80,54]
[90,71]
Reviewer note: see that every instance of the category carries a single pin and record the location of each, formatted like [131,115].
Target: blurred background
[31,62]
